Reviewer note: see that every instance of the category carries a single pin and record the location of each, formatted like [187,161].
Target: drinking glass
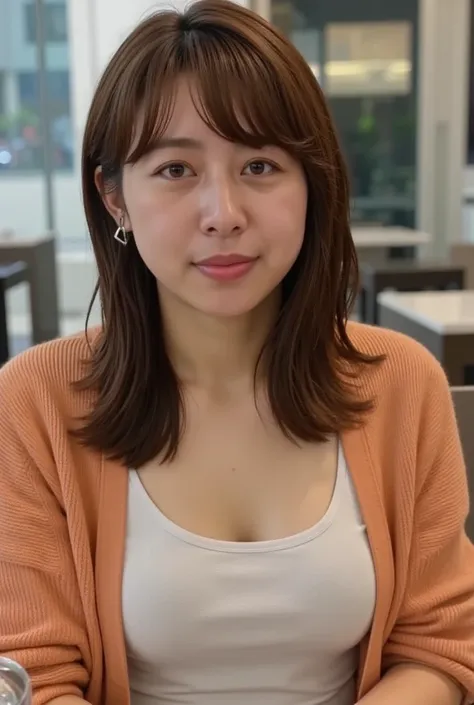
[15,687]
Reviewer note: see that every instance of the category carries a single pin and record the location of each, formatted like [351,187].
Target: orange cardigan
[63,518]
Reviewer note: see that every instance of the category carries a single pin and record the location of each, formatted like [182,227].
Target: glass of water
[15,687]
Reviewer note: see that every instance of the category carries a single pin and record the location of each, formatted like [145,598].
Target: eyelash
[159,172]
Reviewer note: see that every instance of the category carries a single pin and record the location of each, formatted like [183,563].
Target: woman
[229,494]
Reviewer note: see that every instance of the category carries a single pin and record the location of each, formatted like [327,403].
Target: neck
[217,355]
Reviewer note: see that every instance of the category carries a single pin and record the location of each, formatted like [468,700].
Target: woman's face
[218,224]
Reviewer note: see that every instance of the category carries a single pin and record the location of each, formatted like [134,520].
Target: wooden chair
[463,398]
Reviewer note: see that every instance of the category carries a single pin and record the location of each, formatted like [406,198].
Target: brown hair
[242,66]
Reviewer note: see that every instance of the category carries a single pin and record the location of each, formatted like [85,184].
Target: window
[364,54]
[21,123]
[2,92]
[55,23]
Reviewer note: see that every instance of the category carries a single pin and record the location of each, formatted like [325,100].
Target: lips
[225,260]
[226,268]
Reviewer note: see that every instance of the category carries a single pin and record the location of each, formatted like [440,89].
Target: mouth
[225,260]
[226,267]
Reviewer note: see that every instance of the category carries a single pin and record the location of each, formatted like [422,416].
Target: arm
[429,656]
[412,684]
[41,617]
[68,700]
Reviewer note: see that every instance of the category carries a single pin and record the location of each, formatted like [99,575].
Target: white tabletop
[380,236]
[9,238]
[444,312]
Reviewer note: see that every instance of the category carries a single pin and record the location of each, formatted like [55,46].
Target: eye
[260,167]
[175,171]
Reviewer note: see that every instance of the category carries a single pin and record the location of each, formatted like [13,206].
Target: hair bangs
[157,107]
[235,90]
[237,93]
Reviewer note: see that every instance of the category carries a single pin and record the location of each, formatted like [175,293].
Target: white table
[381,236]
[373,244]
[443,321]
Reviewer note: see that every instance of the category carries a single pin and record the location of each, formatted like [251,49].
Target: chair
[463,398]
[10,275]
[39,255]
[462,255]
[404,276]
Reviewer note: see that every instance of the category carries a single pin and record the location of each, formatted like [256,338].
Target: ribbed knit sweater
[63,521]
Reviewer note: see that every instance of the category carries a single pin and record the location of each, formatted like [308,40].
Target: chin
[233,306]
[231,311]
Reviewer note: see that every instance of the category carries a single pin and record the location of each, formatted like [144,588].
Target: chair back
[462,255]
[463,398]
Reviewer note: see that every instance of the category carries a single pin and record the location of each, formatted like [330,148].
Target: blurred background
[399,76]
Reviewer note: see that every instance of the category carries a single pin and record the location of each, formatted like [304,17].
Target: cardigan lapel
[363,472]
[111,536]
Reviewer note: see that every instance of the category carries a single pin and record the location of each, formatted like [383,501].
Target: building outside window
[364,55]
[21,144]
[55,22]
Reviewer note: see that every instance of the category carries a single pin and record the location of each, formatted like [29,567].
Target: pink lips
[226,267]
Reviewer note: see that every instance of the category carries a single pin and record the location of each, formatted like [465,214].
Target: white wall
[442,118]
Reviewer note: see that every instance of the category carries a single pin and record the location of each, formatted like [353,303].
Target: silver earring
[121,234]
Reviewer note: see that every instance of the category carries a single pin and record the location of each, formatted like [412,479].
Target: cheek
[159,247]
[289,219]
[156,227]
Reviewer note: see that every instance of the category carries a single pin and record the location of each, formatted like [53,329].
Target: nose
[222,211]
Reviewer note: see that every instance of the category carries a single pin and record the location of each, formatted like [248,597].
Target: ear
[112,198]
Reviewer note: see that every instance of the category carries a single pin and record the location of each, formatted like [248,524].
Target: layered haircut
[251,87]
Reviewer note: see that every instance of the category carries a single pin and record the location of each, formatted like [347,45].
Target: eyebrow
[167,142]
[177,142]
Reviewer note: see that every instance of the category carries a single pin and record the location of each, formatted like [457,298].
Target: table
[39,254]
[378,244]
[10,275]
[443,321]
[404,275]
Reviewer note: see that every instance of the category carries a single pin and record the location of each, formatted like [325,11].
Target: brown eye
[175,171]
[260,167]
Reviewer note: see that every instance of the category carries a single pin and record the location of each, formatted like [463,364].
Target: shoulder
[43,376]
[410,395]
[407,365]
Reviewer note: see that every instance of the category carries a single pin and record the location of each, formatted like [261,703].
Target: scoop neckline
[268,546]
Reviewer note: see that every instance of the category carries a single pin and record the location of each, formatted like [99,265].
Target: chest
[237,477]
[271,622]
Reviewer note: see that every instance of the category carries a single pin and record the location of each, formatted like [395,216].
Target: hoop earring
[121,234]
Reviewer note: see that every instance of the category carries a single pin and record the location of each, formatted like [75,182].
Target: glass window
[2,92]
[364,55]
[21,122]
[55,22]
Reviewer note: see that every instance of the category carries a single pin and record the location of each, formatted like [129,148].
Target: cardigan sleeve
[41,621]
[435,625]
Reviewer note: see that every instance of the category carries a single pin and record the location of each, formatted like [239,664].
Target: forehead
[185,116]
[192,107]
[184,112]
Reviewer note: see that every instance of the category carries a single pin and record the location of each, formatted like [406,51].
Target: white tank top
[212,622]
